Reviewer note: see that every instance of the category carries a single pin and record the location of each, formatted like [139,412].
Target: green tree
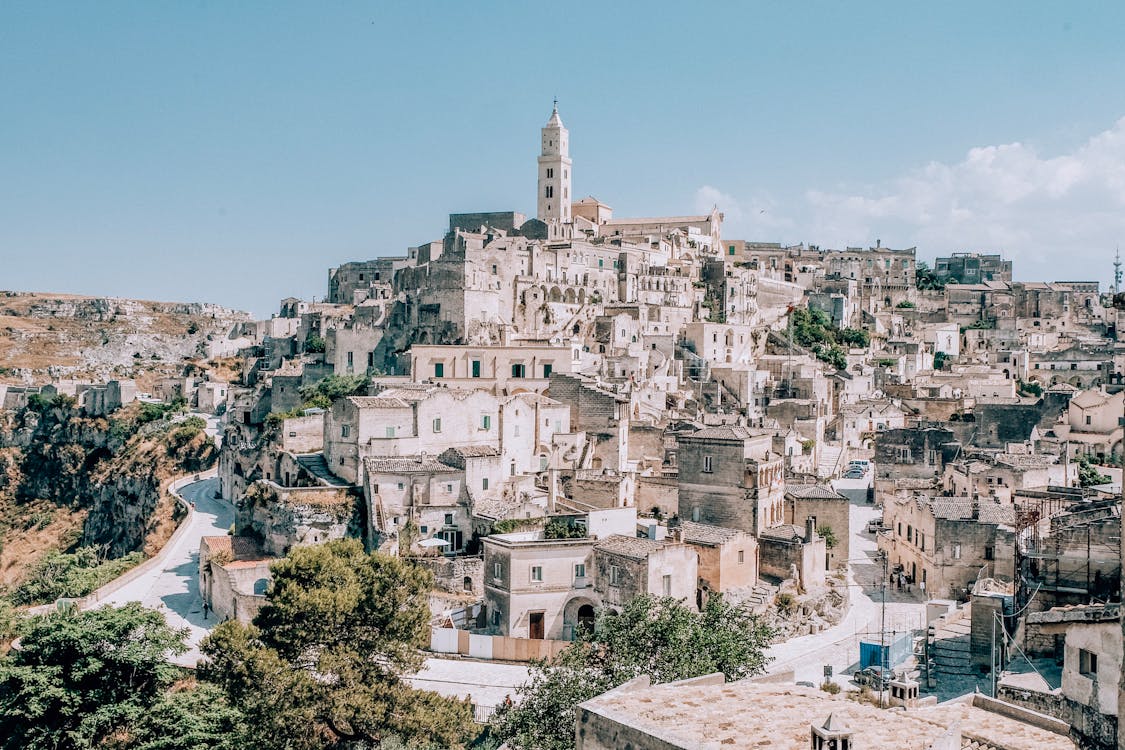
[828,535]
[659,637]
[189,717]
[79,678]
[321,665]
[314,344]
[925,278]
[1088,474]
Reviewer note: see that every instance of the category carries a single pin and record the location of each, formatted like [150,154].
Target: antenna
[1117,272]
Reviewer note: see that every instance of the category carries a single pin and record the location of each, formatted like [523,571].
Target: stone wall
[452,573]
[281,518]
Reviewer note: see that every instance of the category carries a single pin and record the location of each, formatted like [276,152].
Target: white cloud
[1056,216]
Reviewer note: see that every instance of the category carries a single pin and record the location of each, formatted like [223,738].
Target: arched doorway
[586,617]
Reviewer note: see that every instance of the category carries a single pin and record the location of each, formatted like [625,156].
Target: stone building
[233,577]
[626,567]
[941,544]
[829,511]
[788,551]
[727,558]
[728,476]
[972,268]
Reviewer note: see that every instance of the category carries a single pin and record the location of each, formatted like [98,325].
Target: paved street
[174,590]
[174,587]
[839,646]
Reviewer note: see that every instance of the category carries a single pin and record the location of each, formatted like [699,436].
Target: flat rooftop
[754,715]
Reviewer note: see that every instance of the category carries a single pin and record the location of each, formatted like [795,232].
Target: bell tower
[553,204]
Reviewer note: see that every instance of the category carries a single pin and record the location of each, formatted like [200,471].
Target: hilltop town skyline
[224,145]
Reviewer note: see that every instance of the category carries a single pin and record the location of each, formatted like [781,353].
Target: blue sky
[232,152]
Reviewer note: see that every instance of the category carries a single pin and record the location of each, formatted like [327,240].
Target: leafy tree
[79,678]
[188,717]
[828,535]
[659,637]
[320,667]
[925,278]
[1088,474]
[905,305]
[562,528]
[314,344]
[940,360]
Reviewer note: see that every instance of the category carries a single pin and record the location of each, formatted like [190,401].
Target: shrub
[830,687]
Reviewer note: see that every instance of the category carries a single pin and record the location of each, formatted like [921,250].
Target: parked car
[875,525]
[854,474]
[875,676]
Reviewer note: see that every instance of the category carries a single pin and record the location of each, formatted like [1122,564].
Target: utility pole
[884,650]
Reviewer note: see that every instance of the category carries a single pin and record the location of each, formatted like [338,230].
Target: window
[400,486]
[708,464]
[439,369]
[1087,663]
[351,357]
[390,432]
[550,173]
[695,514]
[989,553]
[497,570]
[902,454]
[956,551]
[485,422]
[547,370]
[549,192]
[537,573]
[909,533]
[345,430]
[437,425]
[484,483]
[741,556]
[518,370]
[449,517]
[667,586]
[542,463]
[1087,419]
[614,575]
[580,570]
[476,368]
[730,250]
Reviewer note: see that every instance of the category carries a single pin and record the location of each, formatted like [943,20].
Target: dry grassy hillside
[62,336]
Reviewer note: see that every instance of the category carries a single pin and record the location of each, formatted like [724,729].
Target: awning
[433,542]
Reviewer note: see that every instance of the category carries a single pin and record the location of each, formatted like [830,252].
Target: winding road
[173,588]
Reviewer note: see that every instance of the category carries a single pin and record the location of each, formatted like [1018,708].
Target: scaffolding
[1068,548]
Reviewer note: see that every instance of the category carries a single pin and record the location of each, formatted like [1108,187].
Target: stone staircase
[315,464]
[831,458]
[951,648]
[761,597]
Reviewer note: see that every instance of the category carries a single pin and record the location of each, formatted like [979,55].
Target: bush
[830,687]
[74,574]
[785,603]
[905,305]
[314,344]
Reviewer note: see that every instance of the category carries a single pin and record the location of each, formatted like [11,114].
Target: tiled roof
[961,508]
[705,533]
[629,546]
[813,492]
[474,451]
[379,402]
[404,465]
[723,432]
[786,533]
[238,547]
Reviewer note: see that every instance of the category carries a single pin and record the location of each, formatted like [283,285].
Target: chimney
[976,508]
[833,734]
[810,531]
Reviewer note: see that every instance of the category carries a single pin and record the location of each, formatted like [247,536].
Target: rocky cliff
[53,336]
[67,480]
